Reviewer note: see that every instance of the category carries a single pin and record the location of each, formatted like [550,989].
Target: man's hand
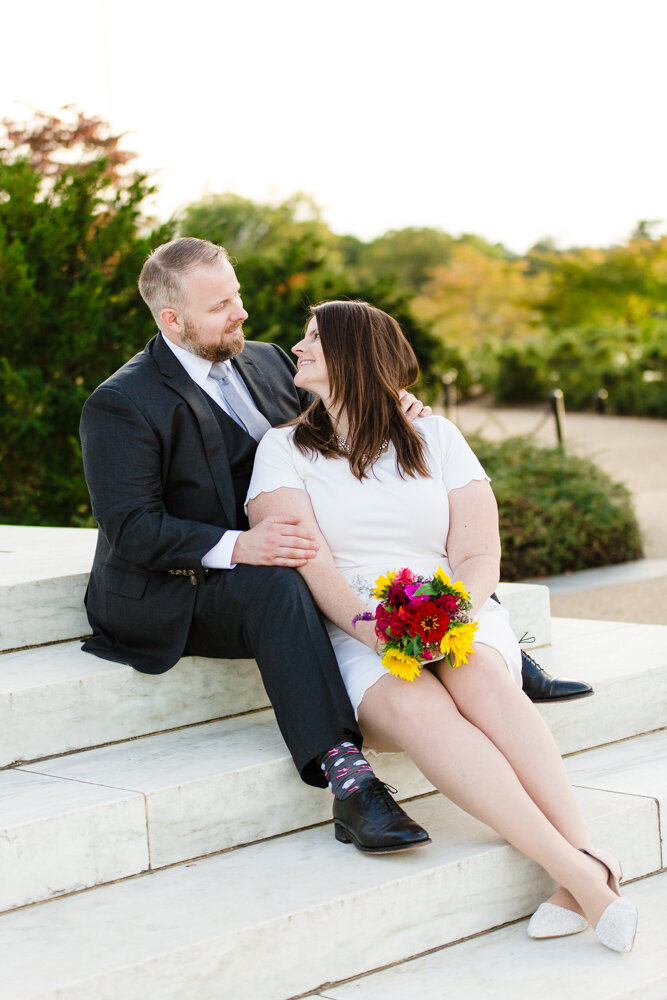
[275,542]
[413,407]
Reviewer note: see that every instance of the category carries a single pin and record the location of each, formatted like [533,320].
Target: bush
[630,363]
[558,512]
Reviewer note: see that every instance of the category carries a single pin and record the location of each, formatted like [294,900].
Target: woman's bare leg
[486,695]
[465,765]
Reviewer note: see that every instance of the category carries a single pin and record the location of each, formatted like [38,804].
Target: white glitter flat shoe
[617,926]
[550,920]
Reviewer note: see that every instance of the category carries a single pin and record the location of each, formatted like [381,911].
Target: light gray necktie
[244,413]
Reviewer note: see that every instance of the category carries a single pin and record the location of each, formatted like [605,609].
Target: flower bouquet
[419,620]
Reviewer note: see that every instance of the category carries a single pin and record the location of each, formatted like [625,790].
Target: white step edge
[187,793]
[43,577]
[59,836]
[58,699]
[44,574]
[507,965]
[634,767]
[528,605]
[205,790]
[626,665]
[283,917]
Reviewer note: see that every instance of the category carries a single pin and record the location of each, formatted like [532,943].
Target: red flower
[390,622]
[448,603]
[426,620]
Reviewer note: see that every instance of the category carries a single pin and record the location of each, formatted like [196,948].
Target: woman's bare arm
[332,593]
[473,541]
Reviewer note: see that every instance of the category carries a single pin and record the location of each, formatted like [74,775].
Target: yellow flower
[382,584]
[401,665]
[457,643]
[457,587]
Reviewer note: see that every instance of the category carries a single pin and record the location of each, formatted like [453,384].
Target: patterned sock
[346,769]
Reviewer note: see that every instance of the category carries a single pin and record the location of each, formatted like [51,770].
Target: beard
[211,352]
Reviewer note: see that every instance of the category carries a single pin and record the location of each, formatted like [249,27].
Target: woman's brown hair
[368,361]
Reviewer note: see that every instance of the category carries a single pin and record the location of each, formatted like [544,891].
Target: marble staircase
[155,840]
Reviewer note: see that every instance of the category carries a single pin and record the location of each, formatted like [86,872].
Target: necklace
[346,450]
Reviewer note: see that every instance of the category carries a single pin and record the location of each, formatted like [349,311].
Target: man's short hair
[161,282]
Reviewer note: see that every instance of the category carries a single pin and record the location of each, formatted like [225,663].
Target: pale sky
[512,119]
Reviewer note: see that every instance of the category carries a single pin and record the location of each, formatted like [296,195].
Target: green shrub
[629,362]
[517,374]
[558,512]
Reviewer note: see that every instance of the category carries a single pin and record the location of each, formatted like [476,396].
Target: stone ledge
[44,574]
[315,911]
[507,964]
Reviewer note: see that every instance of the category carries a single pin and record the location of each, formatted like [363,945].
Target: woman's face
[311,367]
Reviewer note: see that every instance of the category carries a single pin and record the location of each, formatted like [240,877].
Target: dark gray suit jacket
[160,485]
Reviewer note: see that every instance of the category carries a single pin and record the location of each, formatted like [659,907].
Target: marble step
[119,810]
[44,573]
[506,965]
[56,699]
[289,915]
[43,577]
[194,792]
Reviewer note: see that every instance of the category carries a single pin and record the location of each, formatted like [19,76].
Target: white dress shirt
[220,556]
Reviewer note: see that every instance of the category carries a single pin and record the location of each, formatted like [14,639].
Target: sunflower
[401,665]
[457,644]
[382,584]
[456,588]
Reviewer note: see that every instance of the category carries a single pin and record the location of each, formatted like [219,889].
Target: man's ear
[171,321]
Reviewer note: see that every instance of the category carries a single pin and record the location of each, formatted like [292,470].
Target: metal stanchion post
[448,380]
[558,410]
[601,397]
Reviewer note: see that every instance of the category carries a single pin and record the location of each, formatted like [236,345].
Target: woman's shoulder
[284,432]
[436,428]
[277,439]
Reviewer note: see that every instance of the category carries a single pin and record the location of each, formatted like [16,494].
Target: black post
[448,380]
[601,397]
[558,410]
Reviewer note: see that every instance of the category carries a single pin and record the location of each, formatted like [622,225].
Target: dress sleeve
[460,465]
[274,465]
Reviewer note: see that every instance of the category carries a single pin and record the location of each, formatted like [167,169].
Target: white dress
[383,523]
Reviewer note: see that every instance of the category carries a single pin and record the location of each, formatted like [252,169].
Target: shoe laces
[530,659]
[379,791]
[527,656]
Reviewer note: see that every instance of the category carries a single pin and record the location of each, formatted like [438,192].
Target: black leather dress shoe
[541,686]
[374,823]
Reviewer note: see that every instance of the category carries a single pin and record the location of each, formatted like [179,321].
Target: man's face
[213,316]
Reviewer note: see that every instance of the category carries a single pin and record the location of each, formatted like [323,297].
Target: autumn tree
[622,285]
[479,298]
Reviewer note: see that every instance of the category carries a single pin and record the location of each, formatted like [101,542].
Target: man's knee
[275,587]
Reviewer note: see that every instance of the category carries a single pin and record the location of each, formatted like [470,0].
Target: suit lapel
[177,378]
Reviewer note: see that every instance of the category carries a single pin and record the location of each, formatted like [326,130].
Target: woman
[379,494]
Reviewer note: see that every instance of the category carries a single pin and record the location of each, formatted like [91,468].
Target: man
[168,444]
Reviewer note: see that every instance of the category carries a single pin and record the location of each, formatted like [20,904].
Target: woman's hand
[413,407]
